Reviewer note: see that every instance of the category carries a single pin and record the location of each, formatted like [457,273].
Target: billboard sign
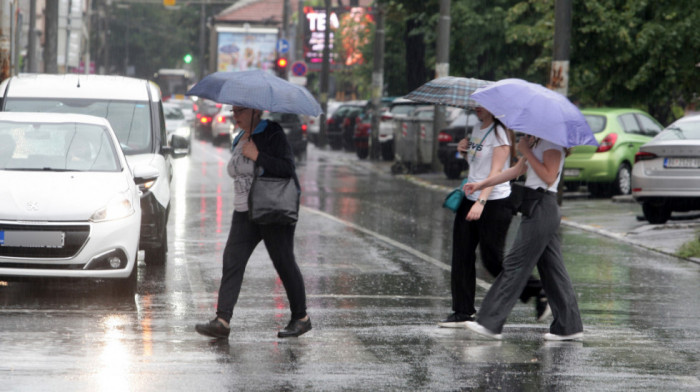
[348,26]
[246,48]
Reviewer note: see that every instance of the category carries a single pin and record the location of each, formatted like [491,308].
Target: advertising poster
[348,25]
[242,49]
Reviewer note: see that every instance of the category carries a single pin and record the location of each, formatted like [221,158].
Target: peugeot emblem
[32,206]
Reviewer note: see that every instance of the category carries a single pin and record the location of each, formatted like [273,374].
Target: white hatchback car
[134,109]
[69,204]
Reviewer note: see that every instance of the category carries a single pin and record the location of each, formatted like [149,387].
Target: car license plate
[572,172]
[32,239]
[681,162]
[287,131]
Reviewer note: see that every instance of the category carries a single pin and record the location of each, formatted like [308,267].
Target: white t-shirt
[481,156]
[532,180]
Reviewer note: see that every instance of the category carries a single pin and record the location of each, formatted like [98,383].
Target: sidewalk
[619,217]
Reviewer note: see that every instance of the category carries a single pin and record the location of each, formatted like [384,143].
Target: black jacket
[275,154]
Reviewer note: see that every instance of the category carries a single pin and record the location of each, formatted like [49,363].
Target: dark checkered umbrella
[448,90]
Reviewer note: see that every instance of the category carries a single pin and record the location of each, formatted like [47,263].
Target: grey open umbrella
[448,90]
[256,89]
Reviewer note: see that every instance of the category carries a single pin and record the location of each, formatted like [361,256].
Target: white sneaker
[559,338]
[481,330]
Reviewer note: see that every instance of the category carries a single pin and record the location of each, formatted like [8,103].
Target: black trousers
[243,237]
[489,234]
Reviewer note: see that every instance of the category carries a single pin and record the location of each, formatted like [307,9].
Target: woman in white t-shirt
[537,244]
[483,219]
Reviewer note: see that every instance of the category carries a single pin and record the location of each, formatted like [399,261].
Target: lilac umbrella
[256,89]
[536,110]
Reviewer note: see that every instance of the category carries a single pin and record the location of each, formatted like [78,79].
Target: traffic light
[281,66]
[169,3]
[187,59]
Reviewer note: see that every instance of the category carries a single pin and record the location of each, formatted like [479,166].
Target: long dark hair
[511,139]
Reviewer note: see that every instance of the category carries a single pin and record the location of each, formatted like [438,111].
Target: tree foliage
[637,53]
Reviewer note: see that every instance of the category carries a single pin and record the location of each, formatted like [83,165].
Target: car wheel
[125,286]
[362,153]
[453,171]
[388,151]
[623,181]
[656,213]
[158,255]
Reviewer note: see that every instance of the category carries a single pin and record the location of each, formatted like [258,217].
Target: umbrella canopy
[536,110]
[448,90]
[256,89]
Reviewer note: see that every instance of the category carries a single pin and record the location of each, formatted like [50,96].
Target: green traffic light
[187,58]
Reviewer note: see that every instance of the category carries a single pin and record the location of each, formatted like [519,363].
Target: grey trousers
[537,243]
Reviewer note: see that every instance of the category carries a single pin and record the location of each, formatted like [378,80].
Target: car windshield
[130,120]
[597,123]
[40,146]
[681,131]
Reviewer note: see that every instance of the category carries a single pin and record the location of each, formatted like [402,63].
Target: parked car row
[83,130]
[606,169]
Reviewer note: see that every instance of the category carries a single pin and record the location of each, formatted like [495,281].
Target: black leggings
[243,237]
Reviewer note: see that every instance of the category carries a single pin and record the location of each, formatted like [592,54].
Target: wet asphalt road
[374,250]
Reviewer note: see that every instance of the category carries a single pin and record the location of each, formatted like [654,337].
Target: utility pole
[559,74]
[5,40]
[442,68]
[325,70]
[202,31]
[51,41]
[377,80]
[31,44]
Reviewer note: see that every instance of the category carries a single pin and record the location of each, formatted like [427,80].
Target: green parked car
[606,170]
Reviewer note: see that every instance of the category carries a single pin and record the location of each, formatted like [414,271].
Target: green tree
[636,53]
[151,37]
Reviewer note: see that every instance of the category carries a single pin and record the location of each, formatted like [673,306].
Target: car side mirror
[178,148]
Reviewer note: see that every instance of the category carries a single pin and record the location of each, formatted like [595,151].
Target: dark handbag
[454,198]
[524,199]
[273,200]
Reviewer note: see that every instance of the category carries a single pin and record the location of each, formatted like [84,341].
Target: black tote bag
[273,200]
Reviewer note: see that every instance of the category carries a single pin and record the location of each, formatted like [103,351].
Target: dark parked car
[340,127]
[294,129]
[363,128]
[204,110]
[452,161]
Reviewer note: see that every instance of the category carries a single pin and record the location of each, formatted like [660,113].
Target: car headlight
[119,207]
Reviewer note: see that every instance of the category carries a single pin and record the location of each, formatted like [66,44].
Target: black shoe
[456,320]
[214,329]
[542,308]
[295,328]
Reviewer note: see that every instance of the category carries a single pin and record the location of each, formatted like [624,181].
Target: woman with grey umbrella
[537,243]
[264,144]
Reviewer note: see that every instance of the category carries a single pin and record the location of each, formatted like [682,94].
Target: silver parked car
[666,173]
